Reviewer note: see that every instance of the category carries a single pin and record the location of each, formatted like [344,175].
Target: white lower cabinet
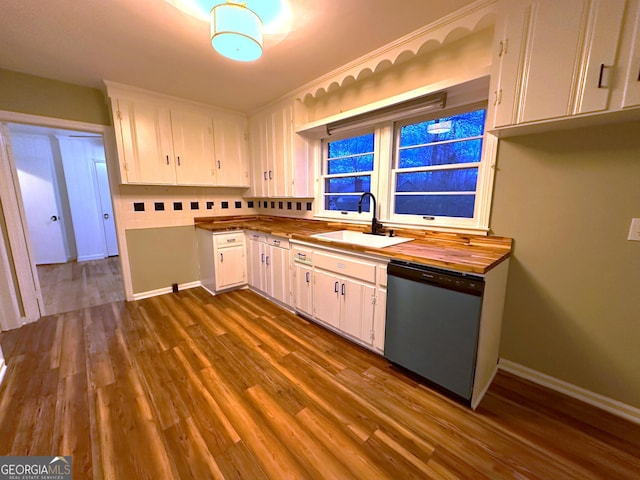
[268,262]
[345,293]
[223,262]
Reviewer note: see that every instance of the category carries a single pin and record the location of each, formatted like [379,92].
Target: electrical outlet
[634,230]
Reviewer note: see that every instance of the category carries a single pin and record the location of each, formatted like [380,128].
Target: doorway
[64,187]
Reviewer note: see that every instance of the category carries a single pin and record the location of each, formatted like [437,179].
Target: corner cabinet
[269,269]
[169,142]
[556,59]
[223,262]
[279,156]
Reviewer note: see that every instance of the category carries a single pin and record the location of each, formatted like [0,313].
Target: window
[436,166]
[431,170]
[348,166]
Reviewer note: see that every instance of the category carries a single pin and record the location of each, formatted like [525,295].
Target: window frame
[383,175]
[324,175]
[394,170]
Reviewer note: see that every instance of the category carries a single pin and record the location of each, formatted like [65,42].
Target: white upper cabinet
[279,156]
[145,146]
[630,55]
[231,146]
[192,147]
[170,142]
[555,59]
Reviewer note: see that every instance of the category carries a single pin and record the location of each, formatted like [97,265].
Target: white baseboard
[607,404]
[163,291]
[86,258]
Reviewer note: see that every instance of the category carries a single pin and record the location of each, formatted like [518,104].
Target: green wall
[160,257]
[24,93]
[573,307]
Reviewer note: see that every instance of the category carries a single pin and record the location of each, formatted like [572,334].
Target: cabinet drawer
[278,242]
[343,265]
[302,254]
[229,239]
[256,236]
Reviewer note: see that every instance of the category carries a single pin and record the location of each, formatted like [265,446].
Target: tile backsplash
[156,206]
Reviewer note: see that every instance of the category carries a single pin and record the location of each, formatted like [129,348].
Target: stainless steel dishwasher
[433,319]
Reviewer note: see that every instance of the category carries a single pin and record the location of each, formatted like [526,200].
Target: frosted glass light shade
[236,32]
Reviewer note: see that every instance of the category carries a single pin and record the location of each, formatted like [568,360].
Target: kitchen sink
[360,238]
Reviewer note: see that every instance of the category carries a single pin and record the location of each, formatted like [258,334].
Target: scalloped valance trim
[473,18]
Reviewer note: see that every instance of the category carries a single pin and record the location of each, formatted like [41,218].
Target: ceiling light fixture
[236,31]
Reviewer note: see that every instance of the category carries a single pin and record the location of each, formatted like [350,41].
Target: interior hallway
[73,286]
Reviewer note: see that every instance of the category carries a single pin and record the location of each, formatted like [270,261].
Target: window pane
[348,184]
[351,146]
[464,151]
[347,203]
[464,125]
[436,205]
[359,163]
[458,180]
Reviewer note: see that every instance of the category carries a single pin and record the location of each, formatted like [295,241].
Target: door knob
[54,218]
[106,216]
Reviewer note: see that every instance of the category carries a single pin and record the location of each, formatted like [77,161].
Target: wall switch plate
[634,230]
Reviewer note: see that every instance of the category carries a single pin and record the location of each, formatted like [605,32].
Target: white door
[104,197]
[39,189]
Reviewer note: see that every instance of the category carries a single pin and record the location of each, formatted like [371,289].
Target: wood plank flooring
[190,386]
[75,285]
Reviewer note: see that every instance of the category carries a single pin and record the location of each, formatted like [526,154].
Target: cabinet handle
[265,175]
[231,240]
[276,243]
[167,159]
[306,275]
[262,258]
[218,164]
[221,258]
[270,177]
[178,161]
[343,290]
[639,74]
[335,287]
[266,260]
[302,256]
[601,76]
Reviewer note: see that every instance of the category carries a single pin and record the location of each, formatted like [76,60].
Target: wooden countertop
[462,252]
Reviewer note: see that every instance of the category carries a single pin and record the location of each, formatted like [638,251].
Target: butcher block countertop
[462,252]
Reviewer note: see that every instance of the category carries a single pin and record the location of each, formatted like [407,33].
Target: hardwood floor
[190,386]
[73,286]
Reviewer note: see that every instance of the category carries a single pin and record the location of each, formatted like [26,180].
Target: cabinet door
[144,129]
[279,273]
[253,263]
[632,80]
[379,319]
[508,58]
[281,155]
[356,318]
[193,148]
[326,298]
[230,152]
[230,267]
[599,55]
[259,143]
[550,61]
[303,288]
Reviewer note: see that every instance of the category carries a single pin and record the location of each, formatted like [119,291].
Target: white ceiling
[152,45]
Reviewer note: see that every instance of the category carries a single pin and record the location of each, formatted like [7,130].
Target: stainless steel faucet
[376,227]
